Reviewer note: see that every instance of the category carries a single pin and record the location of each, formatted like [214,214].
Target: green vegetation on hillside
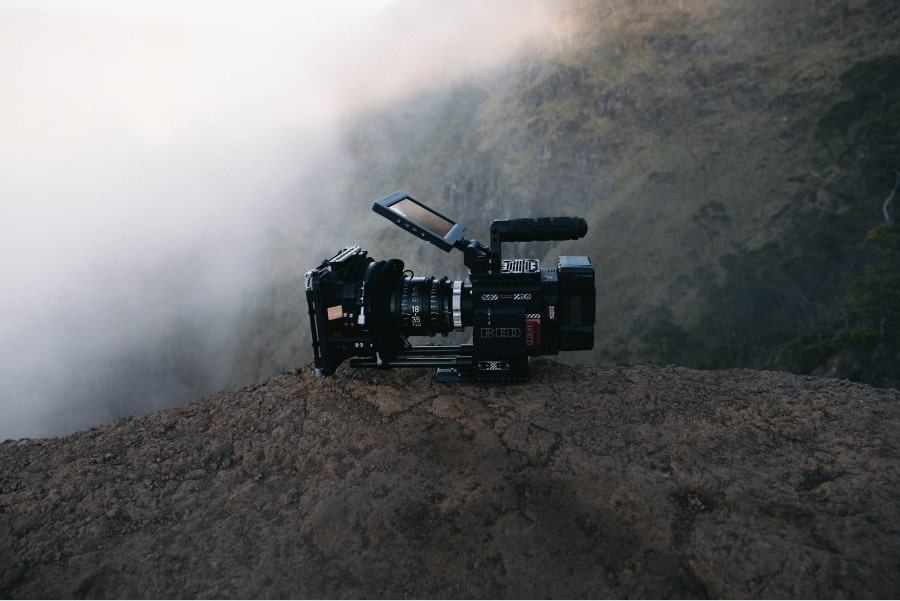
[726,157]
[731,158]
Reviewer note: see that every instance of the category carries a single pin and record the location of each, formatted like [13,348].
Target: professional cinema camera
[366,309]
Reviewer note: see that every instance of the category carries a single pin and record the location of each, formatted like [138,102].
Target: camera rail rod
[422,356]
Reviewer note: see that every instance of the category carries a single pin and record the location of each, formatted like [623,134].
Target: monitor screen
[420,220]
[423,216]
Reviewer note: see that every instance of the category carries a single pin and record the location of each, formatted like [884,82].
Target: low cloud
[147,148]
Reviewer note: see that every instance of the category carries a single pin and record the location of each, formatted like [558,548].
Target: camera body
[365,310]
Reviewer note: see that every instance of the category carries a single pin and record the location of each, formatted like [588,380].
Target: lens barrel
[428,306]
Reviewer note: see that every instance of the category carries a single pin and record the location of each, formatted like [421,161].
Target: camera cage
[455,363]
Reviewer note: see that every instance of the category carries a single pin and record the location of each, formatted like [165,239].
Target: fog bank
[145,150]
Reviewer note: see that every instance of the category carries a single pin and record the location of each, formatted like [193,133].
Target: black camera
[364,309]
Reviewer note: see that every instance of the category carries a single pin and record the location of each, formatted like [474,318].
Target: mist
[149,149]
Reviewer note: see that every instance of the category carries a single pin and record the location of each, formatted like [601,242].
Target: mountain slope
[703,142]
[732,160]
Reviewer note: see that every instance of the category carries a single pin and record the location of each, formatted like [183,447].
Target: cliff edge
[585,482]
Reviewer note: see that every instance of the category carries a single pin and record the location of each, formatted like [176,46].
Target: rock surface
[585,482]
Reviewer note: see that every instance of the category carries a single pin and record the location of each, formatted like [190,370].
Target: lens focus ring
[424,307]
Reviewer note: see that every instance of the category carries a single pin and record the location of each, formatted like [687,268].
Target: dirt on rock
[618,481]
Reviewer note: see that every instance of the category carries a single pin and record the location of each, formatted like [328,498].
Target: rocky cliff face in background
[602,482]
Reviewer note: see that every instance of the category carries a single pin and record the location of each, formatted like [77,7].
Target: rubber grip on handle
[539,229]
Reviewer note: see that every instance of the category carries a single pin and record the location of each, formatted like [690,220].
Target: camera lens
[428,306]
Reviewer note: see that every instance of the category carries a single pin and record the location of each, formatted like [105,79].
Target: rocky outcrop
[585,482]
